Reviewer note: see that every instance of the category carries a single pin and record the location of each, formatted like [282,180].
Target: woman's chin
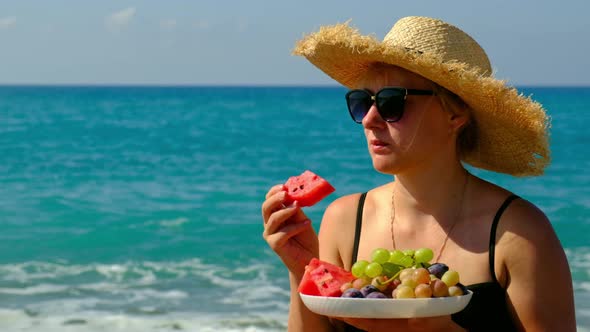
[384,167]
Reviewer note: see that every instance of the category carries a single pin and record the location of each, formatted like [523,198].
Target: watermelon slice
[323,279]
[307,189]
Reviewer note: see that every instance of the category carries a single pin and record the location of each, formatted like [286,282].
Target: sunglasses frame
[374,98]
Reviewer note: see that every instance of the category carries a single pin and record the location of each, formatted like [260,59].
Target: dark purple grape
[368,290]
[376,295]
[352,292]
[438,269]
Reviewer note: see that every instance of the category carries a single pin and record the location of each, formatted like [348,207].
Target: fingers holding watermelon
[275,189]
[283,217]
[294,242]
[287,230]
[274,202]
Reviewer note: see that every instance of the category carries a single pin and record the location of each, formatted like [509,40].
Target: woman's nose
[372,118]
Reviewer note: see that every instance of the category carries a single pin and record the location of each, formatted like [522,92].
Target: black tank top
[487,310]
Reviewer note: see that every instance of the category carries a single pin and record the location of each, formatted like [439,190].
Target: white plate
[385,308]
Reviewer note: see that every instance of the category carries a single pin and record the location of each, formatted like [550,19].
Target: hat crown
[429,35]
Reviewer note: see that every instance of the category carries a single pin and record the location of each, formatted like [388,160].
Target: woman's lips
[378,147]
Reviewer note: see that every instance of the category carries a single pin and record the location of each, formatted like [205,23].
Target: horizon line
[240,85]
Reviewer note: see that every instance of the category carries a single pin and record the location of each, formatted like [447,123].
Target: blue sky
[249,42]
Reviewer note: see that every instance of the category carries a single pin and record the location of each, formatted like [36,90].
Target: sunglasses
[389,101]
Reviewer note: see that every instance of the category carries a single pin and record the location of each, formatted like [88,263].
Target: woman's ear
[457,122]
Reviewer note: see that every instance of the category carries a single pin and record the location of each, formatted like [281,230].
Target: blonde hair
[450,102]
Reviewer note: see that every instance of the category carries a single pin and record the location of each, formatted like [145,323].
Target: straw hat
[512,130]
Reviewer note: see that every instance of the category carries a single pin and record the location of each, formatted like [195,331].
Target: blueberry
[368,290]
[352,292]
[376,295]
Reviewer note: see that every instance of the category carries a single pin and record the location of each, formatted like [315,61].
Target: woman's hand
[288,231]
[441,323]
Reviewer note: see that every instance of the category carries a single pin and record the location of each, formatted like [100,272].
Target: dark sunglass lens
[359,103]
[390,103]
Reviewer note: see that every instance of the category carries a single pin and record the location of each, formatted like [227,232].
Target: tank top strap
[358,227]
[492,246]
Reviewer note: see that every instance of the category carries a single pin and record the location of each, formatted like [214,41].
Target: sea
[138,208]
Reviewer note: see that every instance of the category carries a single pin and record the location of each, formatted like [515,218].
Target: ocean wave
[34,290]
[45,287]
[174,222]
[579,258]
[137,271]
[90,321]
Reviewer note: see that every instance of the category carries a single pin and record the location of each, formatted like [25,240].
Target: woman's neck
[436,192]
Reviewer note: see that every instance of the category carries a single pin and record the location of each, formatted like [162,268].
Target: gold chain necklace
[459,213]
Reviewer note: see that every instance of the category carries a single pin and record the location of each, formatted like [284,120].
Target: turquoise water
[138,208]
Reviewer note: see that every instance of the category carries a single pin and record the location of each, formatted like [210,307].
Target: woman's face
[419,139]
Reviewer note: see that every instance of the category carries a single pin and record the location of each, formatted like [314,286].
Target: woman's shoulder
[515,213]
[524,234]
[491,198]
[517,219]
[346,204]
[342,209]
[523,222]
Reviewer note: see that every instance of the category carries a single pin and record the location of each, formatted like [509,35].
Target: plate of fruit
[393,284]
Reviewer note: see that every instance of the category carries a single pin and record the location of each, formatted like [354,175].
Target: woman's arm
[290,234]
[335,241]
[535,270]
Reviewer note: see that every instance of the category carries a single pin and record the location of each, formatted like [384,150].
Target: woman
[427,102]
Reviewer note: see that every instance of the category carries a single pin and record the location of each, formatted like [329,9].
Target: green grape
[380,255]
[411,282]
[390,269]
[409,252]
[358,268]
[373,270]
[404,292]
[395,256]
[406,274]
[451,278]
[406,261]
[423,255]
